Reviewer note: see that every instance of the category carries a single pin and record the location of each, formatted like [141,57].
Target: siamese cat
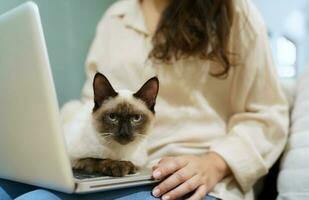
[115,138]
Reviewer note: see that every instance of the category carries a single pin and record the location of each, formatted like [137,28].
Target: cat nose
[124,136]
[125,132]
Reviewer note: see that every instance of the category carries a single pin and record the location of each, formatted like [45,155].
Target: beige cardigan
[244,118]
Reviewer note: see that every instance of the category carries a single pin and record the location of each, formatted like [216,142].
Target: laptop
[32,146]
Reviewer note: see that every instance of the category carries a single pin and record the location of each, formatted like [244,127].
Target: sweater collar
[132,15]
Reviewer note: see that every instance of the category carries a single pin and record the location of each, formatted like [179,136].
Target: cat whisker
[105,137]
[108,142]
[105,134]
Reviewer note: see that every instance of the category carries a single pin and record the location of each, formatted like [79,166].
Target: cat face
[123,116]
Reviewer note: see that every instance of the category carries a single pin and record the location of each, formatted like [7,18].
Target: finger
[167,167]
[183,189]
[165,159]
[154,167]
[173,181]
[200,193]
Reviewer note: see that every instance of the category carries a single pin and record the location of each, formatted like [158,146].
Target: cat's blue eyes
[112,117]
[136,118]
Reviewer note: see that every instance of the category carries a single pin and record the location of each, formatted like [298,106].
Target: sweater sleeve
[257,129]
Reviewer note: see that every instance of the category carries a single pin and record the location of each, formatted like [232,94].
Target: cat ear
[102,90]
[148,92]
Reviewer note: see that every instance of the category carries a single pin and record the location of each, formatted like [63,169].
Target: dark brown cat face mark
[126,121]
[123,123]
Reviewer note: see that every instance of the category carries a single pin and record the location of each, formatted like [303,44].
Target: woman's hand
[184,174]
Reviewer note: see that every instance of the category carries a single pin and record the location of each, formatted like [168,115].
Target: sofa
[293,177]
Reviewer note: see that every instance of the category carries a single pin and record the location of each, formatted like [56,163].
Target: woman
[221,118]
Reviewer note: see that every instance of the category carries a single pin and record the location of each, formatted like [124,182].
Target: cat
[113,139]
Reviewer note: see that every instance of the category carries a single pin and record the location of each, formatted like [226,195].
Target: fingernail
[157,174]
[166,197]
[156,192]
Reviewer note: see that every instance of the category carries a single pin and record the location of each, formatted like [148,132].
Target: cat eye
[136,118]
[112,117]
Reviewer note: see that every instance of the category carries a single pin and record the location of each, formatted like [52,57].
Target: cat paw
[117,168]
[89,165]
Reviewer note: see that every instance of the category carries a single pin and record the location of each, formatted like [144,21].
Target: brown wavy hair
[195,28]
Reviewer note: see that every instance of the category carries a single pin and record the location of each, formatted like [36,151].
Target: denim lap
[4,195]
[140,192]
[38,195]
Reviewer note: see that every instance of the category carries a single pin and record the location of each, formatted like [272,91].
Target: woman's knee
[38,195]
[4,195]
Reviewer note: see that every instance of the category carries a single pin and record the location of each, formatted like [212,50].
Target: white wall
[290,18]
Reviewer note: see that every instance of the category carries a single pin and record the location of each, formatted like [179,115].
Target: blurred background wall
[69,27]
[288,25]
